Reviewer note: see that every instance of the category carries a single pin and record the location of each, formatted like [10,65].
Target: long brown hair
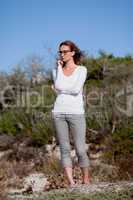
[78,56]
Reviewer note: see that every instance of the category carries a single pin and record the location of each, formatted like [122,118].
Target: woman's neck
[70,64]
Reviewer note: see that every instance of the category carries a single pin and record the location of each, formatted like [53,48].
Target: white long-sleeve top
[69,90]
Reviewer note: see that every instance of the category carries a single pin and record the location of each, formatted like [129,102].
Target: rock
[49,149]
[6,141]
[95,162]
[56,152]
[5,154]
[26,142]
[37,182]
[103,187]
[23,153]
[26,153]
[96,155]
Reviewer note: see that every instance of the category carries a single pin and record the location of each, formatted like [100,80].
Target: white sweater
[69,90]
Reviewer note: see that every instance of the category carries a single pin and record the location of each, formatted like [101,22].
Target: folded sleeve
[76,87]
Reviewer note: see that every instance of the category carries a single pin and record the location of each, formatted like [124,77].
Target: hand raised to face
[60,62]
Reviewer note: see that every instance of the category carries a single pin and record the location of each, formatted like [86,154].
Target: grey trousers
[77,124]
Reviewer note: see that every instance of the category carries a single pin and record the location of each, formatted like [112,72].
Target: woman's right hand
[60,62]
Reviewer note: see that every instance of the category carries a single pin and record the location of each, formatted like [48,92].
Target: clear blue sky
[31,26]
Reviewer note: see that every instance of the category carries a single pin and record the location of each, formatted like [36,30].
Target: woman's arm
[54,77]
[54,74]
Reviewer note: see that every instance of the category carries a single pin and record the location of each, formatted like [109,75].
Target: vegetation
[107,91]
[26,101]
[126,194]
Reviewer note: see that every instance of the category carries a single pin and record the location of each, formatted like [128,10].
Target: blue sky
[30,27]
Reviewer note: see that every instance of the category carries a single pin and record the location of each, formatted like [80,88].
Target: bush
[37,125]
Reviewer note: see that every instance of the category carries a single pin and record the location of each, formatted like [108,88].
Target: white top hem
[66,112]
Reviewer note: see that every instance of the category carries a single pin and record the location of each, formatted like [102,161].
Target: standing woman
[68,112]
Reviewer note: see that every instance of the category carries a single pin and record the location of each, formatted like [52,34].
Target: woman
[68,112]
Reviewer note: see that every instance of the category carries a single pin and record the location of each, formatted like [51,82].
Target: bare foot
[87,181]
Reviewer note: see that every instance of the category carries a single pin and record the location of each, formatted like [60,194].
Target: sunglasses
[64,52]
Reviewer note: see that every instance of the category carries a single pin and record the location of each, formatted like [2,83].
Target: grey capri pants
[77,124]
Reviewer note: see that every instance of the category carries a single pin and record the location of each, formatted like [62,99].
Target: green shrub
[37,125]
[7,123]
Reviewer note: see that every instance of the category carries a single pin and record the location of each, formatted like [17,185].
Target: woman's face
[65,53]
